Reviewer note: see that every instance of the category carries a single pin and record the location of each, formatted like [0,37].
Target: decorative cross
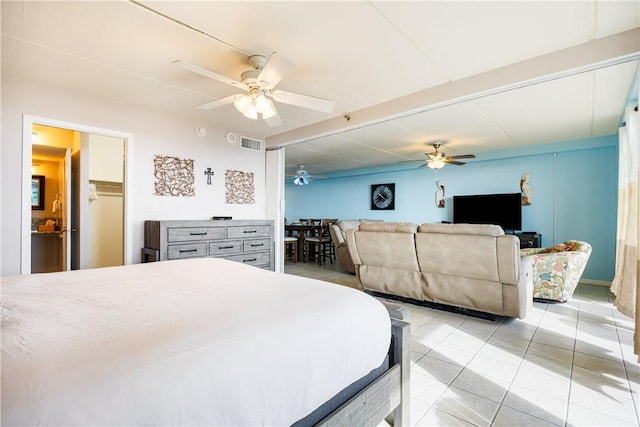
[209,174]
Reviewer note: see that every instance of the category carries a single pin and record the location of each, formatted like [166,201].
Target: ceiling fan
[302,177]
[438,159]
[259,86]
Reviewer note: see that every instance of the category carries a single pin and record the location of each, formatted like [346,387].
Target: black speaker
[529,240]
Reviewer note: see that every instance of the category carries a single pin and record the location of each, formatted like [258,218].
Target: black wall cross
[209,174]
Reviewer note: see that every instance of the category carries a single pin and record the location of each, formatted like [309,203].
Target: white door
[79,205]
[66,211]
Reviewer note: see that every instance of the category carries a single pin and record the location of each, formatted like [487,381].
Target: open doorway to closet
[80,221]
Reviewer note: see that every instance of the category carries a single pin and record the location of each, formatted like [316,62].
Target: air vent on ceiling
[250,144]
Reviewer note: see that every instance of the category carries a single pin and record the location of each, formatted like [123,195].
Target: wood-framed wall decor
[240,187]
[37,192]
[174,176]
[383,197]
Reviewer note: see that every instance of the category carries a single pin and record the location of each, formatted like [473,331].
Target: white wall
[153,133]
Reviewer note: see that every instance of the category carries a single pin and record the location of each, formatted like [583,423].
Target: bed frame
[387,397]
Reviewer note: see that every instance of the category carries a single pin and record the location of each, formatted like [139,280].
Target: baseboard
[596,282]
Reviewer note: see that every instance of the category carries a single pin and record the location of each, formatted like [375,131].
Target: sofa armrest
[525,285]
[336,235]
[509,260]
[351,245]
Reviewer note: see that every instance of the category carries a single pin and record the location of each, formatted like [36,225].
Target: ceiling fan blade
[311,102]
[274,121]
[275,69]
[463,156]
[207,73]
[454,162]
[218,102]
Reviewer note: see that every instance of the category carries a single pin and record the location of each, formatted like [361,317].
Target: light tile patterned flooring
[566,364]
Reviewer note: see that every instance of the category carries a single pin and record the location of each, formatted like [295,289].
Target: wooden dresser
[247,241]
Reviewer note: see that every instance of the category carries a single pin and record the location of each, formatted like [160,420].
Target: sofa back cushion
[348,224]
[387,244]
[475,229]
[462,255]
[389,227]
[386,259]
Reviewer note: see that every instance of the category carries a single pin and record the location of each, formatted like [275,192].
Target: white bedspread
[189,342]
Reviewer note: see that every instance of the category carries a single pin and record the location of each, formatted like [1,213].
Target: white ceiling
[407,73]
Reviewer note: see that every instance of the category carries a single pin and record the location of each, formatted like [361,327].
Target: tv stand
[529,239]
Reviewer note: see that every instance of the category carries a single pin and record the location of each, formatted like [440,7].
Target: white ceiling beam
[607,51]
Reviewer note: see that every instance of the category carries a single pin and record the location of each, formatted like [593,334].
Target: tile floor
[566,364]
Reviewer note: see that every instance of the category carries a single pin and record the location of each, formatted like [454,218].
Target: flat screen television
[504,210]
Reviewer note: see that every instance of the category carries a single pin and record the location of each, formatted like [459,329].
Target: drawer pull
[250,231]
[250,260]
[255,245]
[198,234]
[182,251]
[225,247]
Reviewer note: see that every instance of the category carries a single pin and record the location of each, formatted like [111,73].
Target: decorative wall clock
[383,197]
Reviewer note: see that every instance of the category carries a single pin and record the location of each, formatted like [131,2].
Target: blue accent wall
[574,193]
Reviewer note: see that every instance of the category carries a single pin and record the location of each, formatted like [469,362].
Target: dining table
[301,230]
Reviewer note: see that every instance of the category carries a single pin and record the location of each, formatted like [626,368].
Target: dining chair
[320,246]
[291,248]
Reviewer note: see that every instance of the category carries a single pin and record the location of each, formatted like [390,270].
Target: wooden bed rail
[387,397]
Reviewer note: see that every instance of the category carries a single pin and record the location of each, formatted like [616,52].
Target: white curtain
[625,284]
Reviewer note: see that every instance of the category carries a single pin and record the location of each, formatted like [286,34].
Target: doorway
[84,222]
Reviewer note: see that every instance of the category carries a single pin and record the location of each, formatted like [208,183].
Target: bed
[202,341]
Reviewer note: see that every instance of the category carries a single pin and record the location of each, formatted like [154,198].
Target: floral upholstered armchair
[557,270]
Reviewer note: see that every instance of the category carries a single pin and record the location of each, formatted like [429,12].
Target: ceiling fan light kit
[301,180]
[253,103]
[436,164]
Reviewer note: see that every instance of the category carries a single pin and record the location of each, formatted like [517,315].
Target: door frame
[27,125]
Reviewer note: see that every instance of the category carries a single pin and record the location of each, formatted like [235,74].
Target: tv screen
[504,210]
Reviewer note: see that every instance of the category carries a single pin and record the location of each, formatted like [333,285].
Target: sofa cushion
[480,295]
[393,250]
[389,227]
[393,281]
[458,255]
[475,229]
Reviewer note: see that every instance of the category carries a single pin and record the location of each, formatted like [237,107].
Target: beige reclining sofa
[475,267]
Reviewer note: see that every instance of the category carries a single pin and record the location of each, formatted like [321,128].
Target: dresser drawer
[225,247]
[185,234]
[256,258]
[188,250]
[253,245]
[248,231]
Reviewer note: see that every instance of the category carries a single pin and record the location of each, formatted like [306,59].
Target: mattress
[188,342]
